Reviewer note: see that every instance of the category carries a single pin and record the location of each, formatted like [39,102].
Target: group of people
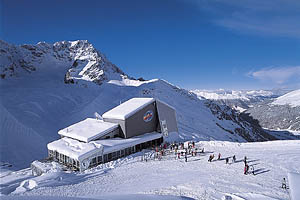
[183,149]
[211,157]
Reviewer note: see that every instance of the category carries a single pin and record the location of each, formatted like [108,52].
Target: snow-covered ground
[196,179]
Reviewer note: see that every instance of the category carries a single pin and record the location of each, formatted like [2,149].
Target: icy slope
[38,96]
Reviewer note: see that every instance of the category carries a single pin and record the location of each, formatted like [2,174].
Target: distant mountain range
[282,113]
[46,87]
[274,109]
[240,99]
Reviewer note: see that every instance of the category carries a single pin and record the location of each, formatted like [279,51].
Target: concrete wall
[167,113]
[136,125]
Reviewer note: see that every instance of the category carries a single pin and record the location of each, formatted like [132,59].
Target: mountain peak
[74,60]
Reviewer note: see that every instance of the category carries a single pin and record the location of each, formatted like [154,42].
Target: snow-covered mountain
[46,87]
[239,99]
[283,113]
[77,60]
[292,99]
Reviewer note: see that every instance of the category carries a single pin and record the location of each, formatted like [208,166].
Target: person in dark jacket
[283,183]
[246,168]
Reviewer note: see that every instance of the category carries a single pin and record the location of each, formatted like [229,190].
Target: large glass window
[99,159]
[114,155]
[109,156]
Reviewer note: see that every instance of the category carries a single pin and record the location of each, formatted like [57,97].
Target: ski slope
[195,179]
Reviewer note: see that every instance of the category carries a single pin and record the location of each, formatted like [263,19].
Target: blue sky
[204,44]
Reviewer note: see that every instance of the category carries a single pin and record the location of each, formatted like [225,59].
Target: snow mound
[291,98]
[25,186]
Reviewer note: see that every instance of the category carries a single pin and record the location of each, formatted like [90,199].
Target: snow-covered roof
[88,129]
[115,144]
[80,150]
[294,182]
[128,108]
[74,148]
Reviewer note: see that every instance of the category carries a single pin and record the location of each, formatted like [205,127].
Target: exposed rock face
[79,60]
[246,127]
[281,117]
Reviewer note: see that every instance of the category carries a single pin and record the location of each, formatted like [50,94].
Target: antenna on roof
[98,117]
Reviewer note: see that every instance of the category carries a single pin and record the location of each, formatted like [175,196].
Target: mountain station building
[134,125]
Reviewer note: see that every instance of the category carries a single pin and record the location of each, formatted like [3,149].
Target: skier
[227,160]
[209,159]
[178,155]
[202,150]
[185,157]
[193,143]
[245,160]
[246,168]
[233,158]
[283,183]
[219,156]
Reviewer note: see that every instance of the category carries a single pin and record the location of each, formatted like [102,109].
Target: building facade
[134,125]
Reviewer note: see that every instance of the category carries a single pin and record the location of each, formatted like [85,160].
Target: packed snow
[291,98]
[128,108]
[195,179]
[88,129]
